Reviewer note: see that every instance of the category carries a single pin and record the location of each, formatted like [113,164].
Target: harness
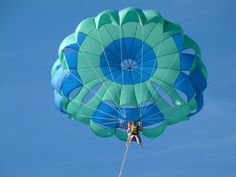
[133,129]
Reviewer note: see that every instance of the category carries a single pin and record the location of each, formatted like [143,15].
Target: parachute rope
[124,158]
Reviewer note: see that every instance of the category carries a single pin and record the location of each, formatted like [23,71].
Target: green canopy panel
[154,132]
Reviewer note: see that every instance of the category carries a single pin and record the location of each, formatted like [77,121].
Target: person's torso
[134,128]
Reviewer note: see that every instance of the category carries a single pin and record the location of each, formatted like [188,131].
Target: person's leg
[128,139]
[138,139]
[132,138]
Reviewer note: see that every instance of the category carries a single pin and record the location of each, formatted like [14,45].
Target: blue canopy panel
[80,38]
[110,116]
[200,103]
[145,52]
[120,64]
[129,44]
[71,52]
[130,113]
[198,80]
[151,115]
[71,56]
[178,38]
[186,61]
[71,82]
[106,115]
[199,83]
[184,84]
[64,82]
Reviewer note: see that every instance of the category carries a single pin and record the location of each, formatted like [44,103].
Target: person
[133,131]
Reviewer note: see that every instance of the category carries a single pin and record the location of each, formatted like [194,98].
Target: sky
[36,140]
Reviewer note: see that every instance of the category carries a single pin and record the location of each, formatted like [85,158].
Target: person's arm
[140,128]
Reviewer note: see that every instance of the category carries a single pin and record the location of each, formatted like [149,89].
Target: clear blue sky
[36,140]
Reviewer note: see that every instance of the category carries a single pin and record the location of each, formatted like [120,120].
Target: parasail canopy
[128,65]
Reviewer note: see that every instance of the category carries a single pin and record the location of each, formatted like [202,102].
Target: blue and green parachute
[128,65]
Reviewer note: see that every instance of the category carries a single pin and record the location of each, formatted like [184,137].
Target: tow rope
[124,159]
